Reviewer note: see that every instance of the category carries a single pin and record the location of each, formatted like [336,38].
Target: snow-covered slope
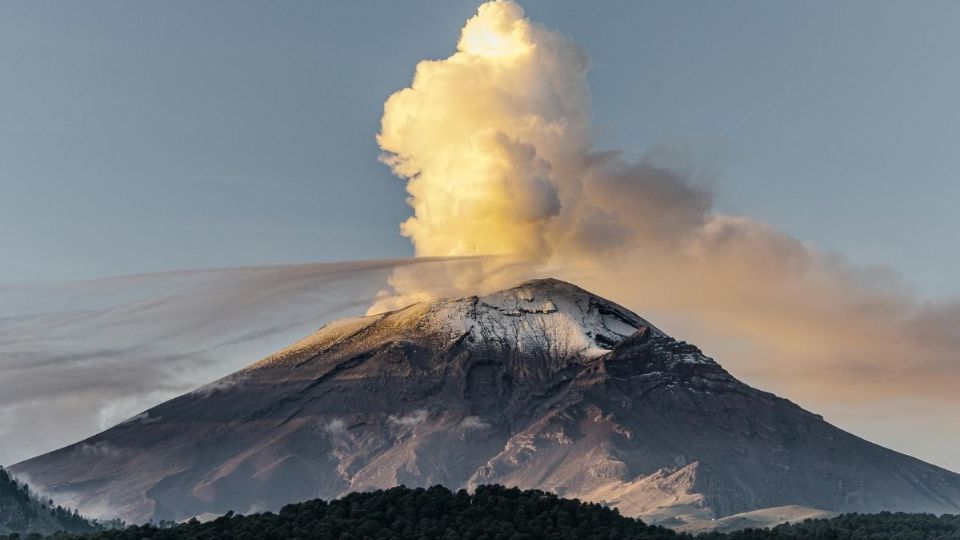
[543,318]
[543,386]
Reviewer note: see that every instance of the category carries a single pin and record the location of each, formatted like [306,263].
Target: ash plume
[496,145]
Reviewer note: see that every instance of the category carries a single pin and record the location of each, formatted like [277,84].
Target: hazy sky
[138,136]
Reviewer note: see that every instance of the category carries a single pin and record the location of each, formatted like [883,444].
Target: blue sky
[139,136]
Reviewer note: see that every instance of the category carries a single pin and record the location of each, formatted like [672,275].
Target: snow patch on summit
[541,317]
[545,318]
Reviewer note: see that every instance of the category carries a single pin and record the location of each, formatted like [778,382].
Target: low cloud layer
[496,145]
[76,358]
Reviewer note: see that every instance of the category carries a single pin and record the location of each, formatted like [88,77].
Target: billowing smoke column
[481,137]
[496,145]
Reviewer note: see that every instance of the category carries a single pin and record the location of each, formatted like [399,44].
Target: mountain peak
[548,285]
[542,315]
[543,318]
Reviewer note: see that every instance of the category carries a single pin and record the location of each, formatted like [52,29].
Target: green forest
[490,513]
[22,512]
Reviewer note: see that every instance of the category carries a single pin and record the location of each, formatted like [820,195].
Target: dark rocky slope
[541,386]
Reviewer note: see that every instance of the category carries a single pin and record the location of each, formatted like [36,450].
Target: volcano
[543,385]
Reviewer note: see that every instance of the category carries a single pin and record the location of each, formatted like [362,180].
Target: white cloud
[335,426]
[473,422]
[417,416]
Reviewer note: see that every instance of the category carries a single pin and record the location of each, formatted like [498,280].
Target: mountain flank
[542,386]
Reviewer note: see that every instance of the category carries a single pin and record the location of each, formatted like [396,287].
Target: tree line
[492,513]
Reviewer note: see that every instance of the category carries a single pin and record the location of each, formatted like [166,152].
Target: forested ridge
[493,513]
[882,526]
[21,511]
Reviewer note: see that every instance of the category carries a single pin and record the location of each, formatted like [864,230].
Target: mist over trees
[22,511]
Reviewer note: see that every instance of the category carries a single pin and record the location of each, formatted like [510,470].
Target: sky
[142,136]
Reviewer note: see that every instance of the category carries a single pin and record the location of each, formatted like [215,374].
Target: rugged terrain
[540,386]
